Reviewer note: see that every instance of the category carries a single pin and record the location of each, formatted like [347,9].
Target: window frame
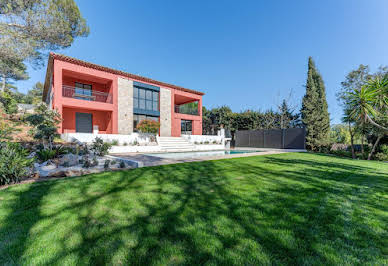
[146,99]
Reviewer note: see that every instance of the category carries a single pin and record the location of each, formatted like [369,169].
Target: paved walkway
[143,160]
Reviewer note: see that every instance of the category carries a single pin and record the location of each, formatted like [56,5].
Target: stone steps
[175,144]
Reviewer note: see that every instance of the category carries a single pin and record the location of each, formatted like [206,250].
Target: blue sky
[244,54]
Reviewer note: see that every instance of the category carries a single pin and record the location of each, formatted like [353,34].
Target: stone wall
[125,106]
[165,112]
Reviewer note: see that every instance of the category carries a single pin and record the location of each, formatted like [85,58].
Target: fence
[291,138]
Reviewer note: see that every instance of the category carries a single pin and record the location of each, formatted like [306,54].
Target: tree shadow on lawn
[219,212]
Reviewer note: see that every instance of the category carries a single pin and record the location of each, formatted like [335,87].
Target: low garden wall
[204,139]
[132,139]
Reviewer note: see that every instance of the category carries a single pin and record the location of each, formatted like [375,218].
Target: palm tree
[369,105]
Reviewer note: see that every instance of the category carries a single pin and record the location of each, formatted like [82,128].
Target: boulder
[48,167]
[69,160]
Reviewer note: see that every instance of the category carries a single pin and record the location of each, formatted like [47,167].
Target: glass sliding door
[186,127]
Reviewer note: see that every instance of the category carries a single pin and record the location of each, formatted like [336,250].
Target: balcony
[87,95]
[185,109]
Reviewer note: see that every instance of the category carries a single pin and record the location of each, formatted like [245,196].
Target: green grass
[279,209]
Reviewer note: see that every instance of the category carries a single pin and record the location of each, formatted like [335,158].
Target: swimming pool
[195,154]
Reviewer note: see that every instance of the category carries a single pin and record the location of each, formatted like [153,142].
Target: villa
[101,100]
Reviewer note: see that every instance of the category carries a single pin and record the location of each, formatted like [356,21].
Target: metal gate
[291,138]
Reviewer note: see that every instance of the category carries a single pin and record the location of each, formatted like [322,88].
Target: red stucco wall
[100,118]
[105,114]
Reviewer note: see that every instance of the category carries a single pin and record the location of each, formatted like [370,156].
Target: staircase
[175,144]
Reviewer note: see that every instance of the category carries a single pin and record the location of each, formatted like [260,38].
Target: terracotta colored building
[91,97]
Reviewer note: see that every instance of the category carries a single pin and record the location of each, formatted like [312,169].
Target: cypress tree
[315,115]
[324,121]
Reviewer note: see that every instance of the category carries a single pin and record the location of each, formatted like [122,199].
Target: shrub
[122,164]
[9,103]
[45,123]
[214,142]
[206,142]
[196,142]
[13,163]
[106,164]
[339,147]
[86,162]
[82,150]
[46,154]
[384,149]
[94,161]
[148,126]
[115,142]
[125,144]
[382,155]
[100,147]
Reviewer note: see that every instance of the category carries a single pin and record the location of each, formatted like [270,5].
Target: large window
[138,118]
[83,91]
[145,99]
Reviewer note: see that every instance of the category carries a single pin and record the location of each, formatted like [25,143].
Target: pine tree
[314,110]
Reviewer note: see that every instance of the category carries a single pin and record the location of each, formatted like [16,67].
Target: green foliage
[34,96]
[11,69]
[314,110]
[9,103]
[382,155]
[6,129]
[94,161]
[86,163]
[339,134]
[115,142]
[46,154]
[122,164]
[13,163]
[148,126]
[214,119]
[99,147]
[45,123]
[106,164]
[29,28]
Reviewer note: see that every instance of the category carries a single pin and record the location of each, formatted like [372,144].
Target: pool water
[195,154]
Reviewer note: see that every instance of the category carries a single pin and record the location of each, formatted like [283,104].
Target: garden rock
[48,167]
[31,155]
[69,159]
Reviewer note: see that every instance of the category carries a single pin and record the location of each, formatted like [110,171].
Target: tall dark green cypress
[315,115]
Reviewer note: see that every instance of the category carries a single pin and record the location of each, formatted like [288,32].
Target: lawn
[294,208]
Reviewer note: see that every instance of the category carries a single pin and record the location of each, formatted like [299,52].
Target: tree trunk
[374,146]
[362,145]
[351,141]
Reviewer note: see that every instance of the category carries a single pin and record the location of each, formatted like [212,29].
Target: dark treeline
[223,116]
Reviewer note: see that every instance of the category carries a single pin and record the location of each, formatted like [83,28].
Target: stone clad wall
[165,112]
[125,106]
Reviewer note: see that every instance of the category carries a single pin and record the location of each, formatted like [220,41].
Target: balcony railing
[182,109]
[87,95]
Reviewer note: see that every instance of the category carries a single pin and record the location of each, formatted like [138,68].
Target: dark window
[138,118]
[145,99]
